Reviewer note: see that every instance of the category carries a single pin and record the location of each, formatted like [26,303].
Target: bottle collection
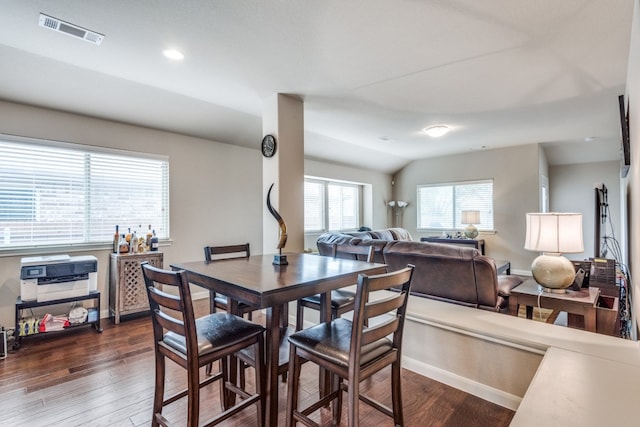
[134,242]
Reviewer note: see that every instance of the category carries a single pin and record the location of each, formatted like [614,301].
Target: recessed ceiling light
[173,54]
[436,130]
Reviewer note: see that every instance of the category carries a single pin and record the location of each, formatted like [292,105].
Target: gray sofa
[455,274]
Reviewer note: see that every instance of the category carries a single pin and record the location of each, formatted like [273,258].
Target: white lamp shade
[470,217]
[554,233]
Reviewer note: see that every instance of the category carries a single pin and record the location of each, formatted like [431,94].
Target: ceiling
[372,73]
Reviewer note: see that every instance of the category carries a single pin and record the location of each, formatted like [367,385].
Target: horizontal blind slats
[57,195]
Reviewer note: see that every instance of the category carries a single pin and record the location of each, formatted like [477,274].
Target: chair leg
[299,317]
[261,382]
[158,396]
[336,383]
[292,393]
[354,398]
[212,302]
[396,394]
[212,309]
[241,376]
[193,396]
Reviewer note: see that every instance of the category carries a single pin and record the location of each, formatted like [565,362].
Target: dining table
[259,282]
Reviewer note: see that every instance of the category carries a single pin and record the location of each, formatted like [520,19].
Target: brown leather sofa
[455,274]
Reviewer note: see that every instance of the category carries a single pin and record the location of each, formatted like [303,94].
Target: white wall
[515,174]
[572,190]
[210,183]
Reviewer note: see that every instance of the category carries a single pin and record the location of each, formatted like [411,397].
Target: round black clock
[268,146]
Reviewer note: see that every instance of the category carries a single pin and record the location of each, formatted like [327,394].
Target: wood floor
[88,379]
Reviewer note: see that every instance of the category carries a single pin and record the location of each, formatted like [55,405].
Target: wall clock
[268,146]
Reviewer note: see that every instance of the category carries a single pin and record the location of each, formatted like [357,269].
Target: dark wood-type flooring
[84,378]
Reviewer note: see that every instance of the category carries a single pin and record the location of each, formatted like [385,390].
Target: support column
[283,117]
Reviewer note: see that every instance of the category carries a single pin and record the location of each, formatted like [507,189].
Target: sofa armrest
[506,283]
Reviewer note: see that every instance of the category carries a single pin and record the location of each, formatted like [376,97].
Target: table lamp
[554,234]
[470,218]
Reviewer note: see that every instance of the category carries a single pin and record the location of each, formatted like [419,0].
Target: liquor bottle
[128,236]
[154,241]
[116,239]
[149,237]
[133,244]
[123,246]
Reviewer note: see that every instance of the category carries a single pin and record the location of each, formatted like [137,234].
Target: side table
[503,266]
[127,294]
[531,294]
[476,243]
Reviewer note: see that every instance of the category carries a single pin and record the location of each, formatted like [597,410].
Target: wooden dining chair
[342,300]
[216,253]
[218,301]
[352,351]
[193,343]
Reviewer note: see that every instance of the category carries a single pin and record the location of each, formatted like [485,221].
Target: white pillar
[283,117]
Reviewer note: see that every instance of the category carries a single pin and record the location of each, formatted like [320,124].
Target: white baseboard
[482,391]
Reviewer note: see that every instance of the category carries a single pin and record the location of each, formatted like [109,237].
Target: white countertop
[585,379]
[574,389]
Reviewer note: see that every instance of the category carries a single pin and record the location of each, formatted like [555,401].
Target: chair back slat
[165,300]
[393,307]
[212,253]
[170,323]
[382,330]
[379,307]
[362,253]
[166,307]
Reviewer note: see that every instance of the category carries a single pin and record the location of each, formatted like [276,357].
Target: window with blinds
[440,206]
[55,193]
[330,205]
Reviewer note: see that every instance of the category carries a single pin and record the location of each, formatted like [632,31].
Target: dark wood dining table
[256,281]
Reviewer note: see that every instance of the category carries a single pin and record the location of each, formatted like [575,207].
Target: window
[440,206]
[330,205]
[63,194]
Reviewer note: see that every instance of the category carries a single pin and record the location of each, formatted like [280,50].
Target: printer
[48,278]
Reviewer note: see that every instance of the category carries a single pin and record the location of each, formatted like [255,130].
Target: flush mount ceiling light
[436,130]
[173,54]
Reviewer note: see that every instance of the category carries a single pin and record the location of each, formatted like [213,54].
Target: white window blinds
[440,206]
[61,194]
[313,206]
[343,206]
[330,205]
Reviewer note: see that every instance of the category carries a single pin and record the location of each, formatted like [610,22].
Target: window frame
[325,182]
[86,151]
[456,212]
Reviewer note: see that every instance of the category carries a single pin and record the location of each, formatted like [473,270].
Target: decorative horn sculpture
[278,259]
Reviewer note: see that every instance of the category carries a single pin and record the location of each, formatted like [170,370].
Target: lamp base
[471,231]
[553,272]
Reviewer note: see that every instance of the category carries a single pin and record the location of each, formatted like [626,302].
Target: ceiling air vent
[70,29]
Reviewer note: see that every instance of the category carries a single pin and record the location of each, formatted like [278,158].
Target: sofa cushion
[360,234]
[401,234]
[326,241]
[382,234]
